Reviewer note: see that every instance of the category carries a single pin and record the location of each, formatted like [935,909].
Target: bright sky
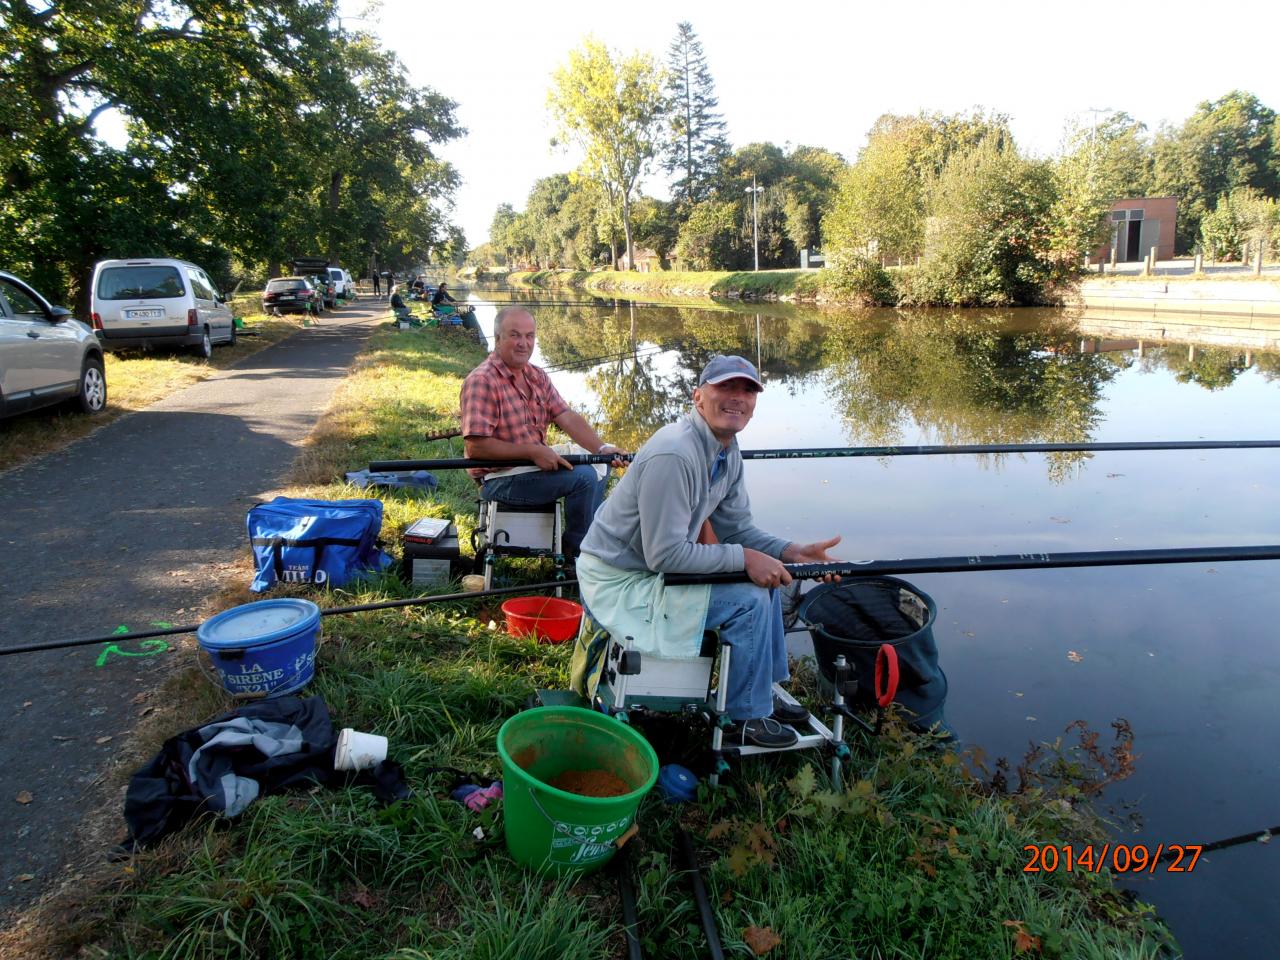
[820,72]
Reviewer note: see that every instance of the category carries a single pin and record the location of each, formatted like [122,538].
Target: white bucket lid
[254,624]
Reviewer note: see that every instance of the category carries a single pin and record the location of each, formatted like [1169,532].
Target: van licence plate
[144,314]
[287,296]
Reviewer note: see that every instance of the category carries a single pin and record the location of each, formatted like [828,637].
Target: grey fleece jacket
[652,518]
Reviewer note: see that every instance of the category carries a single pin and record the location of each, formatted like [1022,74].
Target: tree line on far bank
[985,222]
[257,131]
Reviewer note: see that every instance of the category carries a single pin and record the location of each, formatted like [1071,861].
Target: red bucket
[550,619]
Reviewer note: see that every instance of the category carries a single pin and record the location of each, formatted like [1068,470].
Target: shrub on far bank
[859,280]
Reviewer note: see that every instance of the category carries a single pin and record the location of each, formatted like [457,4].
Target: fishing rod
[814,453]
[1006,561]
[332,611]
[606,358]
[798,571]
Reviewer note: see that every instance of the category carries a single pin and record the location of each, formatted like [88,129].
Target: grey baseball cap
[722,368]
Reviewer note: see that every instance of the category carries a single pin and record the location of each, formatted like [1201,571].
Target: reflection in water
[955,377]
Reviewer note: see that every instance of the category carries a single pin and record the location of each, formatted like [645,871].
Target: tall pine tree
[698,144]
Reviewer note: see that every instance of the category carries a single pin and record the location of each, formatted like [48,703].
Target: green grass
[765,284]
[919,858]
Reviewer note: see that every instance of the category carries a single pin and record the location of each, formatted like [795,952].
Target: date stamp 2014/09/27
[1119,858]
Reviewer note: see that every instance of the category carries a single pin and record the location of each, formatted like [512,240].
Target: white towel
[564,449]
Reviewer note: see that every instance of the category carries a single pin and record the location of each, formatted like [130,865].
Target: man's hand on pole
[765,571]
[547,459]
[617,462]
[812,553]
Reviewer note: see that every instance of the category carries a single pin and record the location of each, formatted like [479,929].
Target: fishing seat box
[430,550]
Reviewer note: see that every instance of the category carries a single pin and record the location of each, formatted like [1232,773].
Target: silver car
[46,356]
[158,303]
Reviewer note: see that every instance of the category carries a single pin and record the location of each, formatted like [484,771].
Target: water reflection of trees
[654,356]
[1213,368]
[958,378]
[962,379]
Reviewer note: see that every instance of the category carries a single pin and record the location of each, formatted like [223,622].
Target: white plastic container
[358,751]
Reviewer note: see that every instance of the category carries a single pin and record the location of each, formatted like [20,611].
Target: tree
[1239,216]
[879,205]
[612,107]
[256,131]
[698,144]
[1224,144]
[987,242]
[710,238]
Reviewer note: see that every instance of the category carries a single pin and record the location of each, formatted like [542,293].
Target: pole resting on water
[819,453]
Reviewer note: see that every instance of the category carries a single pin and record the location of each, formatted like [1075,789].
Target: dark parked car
[46,356]
[291,295]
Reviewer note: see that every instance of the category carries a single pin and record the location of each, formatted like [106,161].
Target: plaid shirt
[493,405]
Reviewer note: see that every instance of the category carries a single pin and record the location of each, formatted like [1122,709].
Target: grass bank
[136,380]
[762,285]
[921,857]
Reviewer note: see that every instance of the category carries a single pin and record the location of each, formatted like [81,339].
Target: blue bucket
[263,649]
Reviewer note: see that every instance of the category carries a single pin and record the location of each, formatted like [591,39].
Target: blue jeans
[582,490]
[749,619]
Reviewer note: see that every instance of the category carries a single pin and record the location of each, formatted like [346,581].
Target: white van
[158,303]
[342,284]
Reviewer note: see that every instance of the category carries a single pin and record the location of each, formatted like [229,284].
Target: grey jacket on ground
[652,519]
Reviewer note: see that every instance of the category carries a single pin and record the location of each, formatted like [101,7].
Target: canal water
[1187,655]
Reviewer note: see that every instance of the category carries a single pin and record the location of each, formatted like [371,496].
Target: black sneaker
[764,732]
[785,712]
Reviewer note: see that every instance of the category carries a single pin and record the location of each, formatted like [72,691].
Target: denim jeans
[582,490]
[749,619]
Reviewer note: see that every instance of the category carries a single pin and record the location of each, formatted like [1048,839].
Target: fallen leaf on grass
[101,740]
[1023,942]
[760,939]
[25,877]
[24,797]
[363,898]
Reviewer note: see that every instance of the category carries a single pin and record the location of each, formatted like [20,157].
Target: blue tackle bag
[325,542]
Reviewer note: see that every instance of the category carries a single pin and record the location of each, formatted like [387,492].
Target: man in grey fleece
[682,507]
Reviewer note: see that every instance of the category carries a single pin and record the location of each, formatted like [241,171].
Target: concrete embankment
[1237,312]
[1205,298]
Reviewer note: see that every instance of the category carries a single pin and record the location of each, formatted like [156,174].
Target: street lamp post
[755,219]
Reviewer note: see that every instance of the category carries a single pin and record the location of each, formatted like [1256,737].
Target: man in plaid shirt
[507,403]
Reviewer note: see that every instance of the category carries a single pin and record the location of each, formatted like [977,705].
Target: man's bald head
[513,336]
[505,312]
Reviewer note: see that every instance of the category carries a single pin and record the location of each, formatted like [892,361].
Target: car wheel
[204,349]
[93,386]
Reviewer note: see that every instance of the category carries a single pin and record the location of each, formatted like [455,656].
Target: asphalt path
[134,524]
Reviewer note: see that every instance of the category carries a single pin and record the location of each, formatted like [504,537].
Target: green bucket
[554,830]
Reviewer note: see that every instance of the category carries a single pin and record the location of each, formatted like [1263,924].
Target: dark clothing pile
[262,748]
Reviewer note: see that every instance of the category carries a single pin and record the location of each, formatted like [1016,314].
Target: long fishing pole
[815,453]
[798,571]
[1005,561]
[332,611]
